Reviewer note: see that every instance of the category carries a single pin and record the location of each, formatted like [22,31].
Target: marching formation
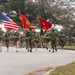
[28,37]
[31,39]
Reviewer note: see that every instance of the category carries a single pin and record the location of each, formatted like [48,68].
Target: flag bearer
[29,39]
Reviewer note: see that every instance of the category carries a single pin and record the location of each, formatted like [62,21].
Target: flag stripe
[12,24]
[8,23]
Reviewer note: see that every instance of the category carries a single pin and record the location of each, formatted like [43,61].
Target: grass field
[67,47]
[64,70]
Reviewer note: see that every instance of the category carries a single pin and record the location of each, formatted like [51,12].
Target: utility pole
[8,8]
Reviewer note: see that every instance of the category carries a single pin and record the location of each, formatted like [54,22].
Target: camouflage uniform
[1,35]
[36,39]
[29,38]
[7,38]
[16,36]
[53,35]
[16,40]
[47,38]
[61,40]
[1,39]
[22,39]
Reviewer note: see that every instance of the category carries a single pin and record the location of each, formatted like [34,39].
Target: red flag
[26,24]
[44,24]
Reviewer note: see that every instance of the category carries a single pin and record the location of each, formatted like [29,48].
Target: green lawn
[64,70]
[70,47]
[11,44]
[67,47]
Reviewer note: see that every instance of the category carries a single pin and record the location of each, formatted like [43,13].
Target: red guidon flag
[26,24]
[44,24]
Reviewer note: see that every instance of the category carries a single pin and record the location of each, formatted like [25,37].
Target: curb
[48,72]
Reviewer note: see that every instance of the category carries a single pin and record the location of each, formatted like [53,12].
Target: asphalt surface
[23,62]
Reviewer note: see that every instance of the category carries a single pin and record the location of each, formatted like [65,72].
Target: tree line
[50,10]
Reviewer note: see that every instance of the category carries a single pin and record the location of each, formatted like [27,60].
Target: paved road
[12,63]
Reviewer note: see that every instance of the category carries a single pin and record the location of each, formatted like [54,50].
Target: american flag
[8,23]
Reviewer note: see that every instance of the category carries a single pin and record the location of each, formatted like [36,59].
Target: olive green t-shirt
[1,32]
